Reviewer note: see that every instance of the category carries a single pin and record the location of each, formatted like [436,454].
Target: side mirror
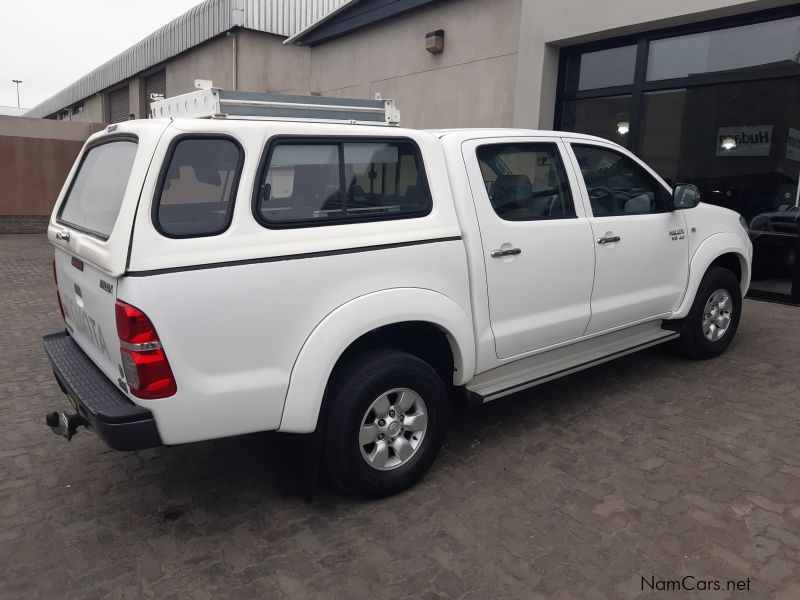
[685,196]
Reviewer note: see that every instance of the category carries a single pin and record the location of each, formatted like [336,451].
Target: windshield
[96,193]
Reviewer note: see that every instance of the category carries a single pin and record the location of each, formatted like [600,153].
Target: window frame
[162,176]
[339,141]
[565,172]
[668,207]
[641,86]
[106,139]
[591,49]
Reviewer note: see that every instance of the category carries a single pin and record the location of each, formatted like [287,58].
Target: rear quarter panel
[233,332]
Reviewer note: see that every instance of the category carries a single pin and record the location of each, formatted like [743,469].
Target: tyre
[386,417]
[712,322]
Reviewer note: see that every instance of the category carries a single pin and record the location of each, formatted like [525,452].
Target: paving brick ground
[650,466]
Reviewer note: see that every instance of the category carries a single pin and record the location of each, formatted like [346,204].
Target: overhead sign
[750,140]
[793,144]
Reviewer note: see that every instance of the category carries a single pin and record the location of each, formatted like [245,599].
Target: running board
[546,366]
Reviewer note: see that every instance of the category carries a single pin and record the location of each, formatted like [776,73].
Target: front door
[537,242]
[642,245]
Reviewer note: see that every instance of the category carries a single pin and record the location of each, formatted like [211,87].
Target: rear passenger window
[198,187]
[526,182]
[324,183]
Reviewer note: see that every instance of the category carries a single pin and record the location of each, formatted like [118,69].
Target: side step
[541,368]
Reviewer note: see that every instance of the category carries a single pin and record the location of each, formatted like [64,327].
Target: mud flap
[300,462]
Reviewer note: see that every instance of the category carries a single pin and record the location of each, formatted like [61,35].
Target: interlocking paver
[646,466]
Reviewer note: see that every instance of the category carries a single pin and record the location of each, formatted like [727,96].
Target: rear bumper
[111,415]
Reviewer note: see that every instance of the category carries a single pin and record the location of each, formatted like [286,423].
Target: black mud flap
[300,462]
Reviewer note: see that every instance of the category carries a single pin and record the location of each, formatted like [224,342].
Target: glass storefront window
[719,109]
[662,132]
[604,117]
[604,68]
[740,147]
[761,45]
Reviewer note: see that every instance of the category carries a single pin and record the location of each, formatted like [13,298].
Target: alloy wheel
[392,429]
[717,315]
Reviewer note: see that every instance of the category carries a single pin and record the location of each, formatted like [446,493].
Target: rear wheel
[386,419]
[713,319]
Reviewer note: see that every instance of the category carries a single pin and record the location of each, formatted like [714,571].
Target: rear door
[537,242]
[90,229]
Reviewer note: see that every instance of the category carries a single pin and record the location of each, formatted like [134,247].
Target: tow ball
[64,424]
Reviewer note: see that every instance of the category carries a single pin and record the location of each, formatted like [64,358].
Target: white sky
[48,44]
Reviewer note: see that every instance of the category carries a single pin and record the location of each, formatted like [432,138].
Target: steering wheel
[599,193]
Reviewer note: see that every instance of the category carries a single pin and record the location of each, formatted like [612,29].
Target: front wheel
[713,319]
[387,415]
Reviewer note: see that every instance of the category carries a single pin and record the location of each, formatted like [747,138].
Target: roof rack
[213,103]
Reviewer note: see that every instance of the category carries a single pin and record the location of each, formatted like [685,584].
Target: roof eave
[297,38]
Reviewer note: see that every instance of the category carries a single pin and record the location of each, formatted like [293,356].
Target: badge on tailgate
[86,324]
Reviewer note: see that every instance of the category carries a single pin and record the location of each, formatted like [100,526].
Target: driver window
[617,185]
[526,182]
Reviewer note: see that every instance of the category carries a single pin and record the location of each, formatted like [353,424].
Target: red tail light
[58,294]
[143,360]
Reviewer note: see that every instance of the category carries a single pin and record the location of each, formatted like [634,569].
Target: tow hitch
[65,425]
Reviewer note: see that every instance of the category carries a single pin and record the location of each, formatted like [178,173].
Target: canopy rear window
[95,196]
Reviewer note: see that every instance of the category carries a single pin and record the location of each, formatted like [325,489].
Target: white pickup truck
[341,281]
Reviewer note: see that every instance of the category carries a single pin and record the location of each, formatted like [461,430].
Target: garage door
[119,107]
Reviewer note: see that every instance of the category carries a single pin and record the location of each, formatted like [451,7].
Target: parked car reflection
[775,236]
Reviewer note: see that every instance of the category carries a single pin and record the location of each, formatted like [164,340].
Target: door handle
[62,235]
[509,252]
[608,240]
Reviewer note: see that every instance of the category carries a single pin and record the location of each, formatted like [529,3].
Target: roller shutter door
[154,84]
[119,106]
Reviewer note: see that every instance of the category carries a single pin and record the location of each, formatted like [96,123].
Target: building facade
[236,43]
[706,91]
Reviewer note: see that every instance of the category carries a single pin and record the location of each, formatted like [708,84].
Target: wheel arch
[358,324]
[722,250]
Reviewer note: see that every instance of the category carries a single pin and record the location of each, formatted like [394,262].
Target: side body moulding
[334,334]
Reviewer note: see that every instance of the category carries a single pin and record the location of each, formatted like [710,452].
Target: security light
[434,41]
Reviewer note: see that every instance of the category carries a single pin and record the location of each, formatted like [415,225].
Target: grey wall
[471,84]
[266,65]
[211,60]
[500,64]
[498,69]
[263,64]
[92,110]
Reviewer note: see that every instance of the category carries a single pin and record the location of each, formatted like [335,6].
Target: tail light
[58,294]
[146,366]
